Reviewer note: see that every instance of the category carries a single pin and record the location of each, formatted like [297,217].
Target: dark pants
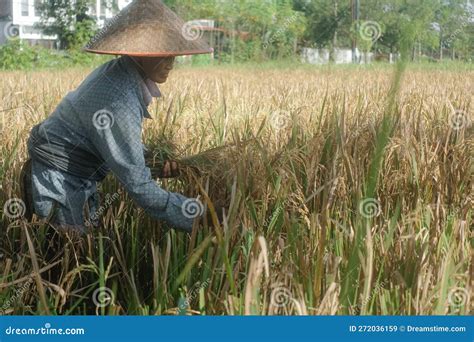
[27,197]
[26,189]
[59,241]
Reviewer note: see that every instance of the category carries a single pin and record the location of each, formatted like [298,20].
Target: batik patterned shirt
[95,129]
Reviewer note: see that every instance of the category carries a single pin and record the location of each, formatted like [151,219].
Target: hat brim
[151,54]
[148,28]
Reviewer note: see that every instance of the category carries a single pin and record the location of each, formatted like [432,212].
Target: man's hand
[170,169]
[166,169]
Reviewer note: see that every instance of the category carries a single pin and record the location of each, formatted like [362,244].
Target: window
[24,8]
[92,9]
[37,11]
[103,8]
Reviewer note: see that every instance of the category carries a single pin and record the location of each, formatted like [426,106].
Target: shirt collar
[148,88]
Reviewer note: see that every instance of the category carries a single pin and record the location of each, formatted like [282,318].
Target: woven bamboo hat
[148,28]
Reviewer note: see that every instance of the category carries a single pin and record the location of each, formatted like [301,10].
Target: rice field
[345,193]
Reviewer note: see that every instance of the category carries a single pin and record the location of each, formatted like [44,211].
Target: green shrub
[18,55]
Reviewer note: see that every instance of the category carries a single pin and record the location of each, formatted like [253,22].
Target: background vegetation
[348,188]
[277,29]
[340,201]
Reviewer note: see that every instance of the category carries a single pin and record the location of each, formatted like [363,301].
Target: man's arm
[117,136]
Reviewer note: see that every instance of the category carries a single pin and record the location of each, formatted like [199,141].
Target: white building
[18,17]
[341,56]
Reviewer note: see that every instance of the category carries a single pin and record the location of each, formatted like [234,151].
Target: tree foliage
[277,28]
[68,20]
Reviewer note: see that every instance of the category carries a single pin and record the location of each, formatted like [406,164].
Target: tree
[329,22]
[453,19]
[271,26]
[435,25]
[68,20]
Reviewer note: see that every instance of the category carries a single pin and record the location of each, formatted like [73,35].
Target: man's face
[157,69]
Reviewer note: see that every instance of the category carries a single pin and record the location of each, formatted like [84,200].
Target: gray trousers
[48,208]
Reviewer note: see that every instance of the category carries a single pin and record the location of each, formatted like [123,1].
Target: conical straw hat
[148,28]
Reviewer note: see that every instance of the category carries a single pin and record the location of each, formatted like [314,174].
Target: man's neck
[139,68]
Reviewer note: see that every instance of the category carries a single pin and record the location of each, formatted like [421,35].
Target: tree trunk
[440,45]
[332,55]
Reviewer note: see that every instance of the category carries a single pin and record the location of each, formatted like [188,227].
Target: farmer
[97,127]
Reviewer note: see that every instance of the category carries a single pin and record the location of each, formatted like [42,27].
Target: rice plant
[339,198]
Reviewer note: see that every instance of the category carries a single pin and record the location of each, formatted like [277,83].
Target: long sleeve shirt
[95,129]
